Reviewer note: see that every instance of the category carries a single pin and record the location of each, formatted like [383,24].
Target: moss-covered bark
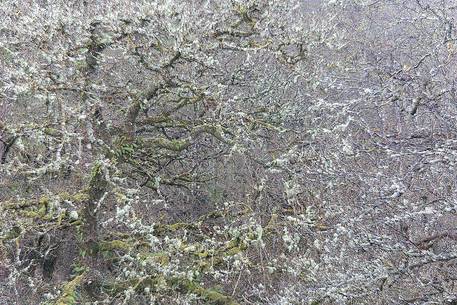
[69,295]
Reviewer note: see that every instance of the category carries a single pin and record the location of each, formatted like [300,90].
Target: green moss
[272,223]
[181,225]
[77,223]
[215,297]
[211,295]
[115,245]
[30,214]
[44,200]
[52,132]
[96,171]
[156,120]
[97,183]
[76,197]
[79,197]
[32,208]
[212,215]
[174,145]
[160,258]
[213,257]
[43,207]
[138,284]
[69,294]
[233,251]
[202,254]
[44,203]
[61,217]
[18,205]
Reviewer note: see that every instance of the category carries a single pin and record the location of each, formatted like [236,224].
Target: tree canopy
[227,152]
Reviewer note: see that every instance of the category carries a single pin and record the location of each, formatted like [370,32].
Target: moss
[215,297]
[251,235]
[65,196]
[272,223]
[232,244]
[79,197]
[97,184]
[76,197]
[181,225]
[156,120]
[61,217]
[69,294]
[160,258]
[233,251]
[215,130]
[207,259]
[43,203]
[52,132]
[32,208]
[44,200]
[202,254]
[96,171]
[114,245]
[138,284]
[174,145]
[212,215]
[19,205]
[30,214]
[76,223]
[211,295]
[42,208]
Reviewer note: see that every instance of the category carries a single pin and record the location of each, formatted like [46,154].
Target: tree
[242,152]
[112,115]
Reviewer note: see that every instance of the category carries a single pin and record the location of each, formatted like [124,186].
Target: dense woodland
[228,152]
